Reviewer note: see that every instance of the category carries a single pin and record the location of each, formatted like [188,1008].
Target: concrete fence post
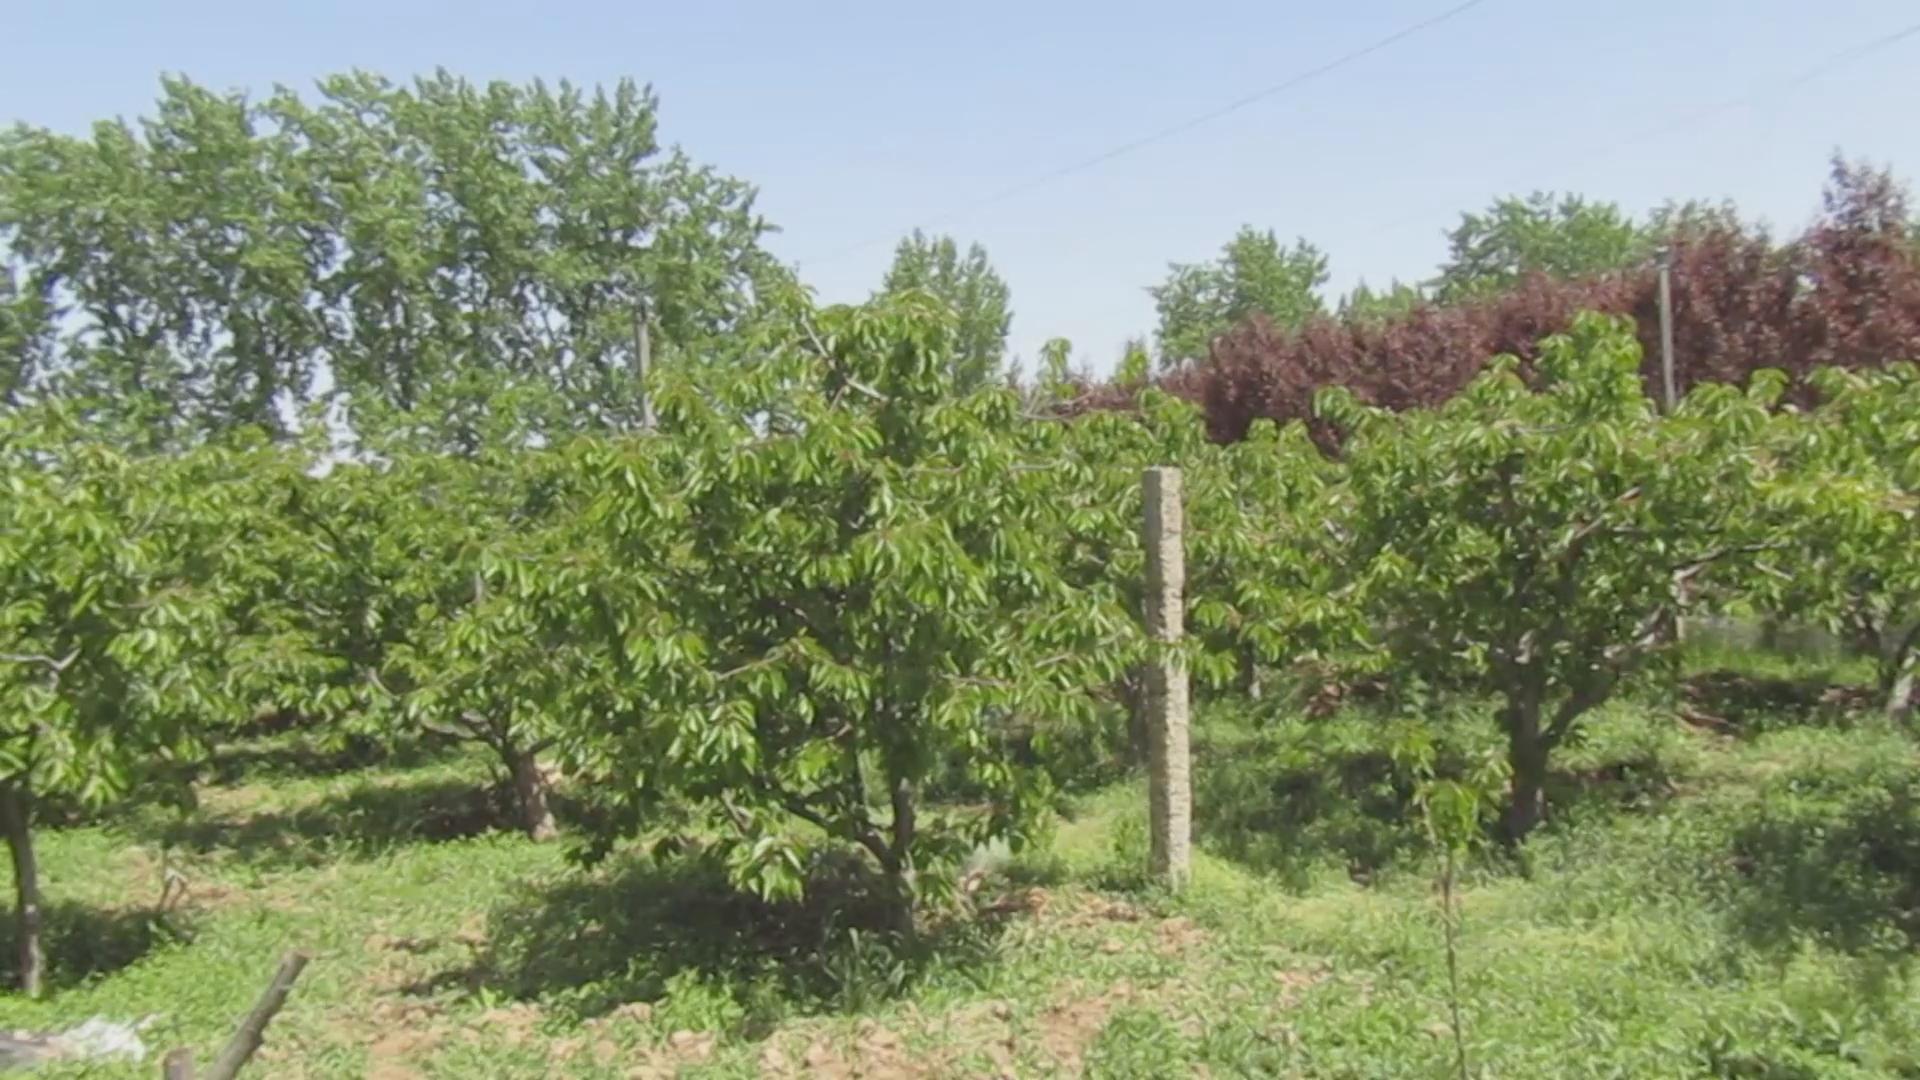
[1169,788]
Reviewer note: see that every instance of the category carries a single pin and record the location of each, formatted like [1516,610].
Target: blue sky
[860,120]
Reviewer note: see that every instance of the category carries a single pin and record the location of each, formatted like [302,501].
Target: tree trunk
[1133,695]
[904,897]
[1894,664]
[16,810]
[530,794]
[1900,688]
[900,870]
[1250,675]
[1900,698]
[1527,756]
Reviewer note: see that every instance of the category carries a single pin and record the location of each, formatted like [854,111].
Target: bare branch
[856,384]
[1581,533]
[435,728]
[56,666]
[738,816]
[746,667]
[1687,570]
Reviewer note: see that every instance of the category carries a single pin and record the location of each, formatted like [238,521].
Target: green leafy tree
[1267,585]
[25,329]
[1853,563]
[1254,275]
[1136,363]
[1560,236]
[423,582]
[1535,545]
[131,626]
[967,284]
[183,255]
[1396,300]
[410,252]
[835,585]
[1693,217]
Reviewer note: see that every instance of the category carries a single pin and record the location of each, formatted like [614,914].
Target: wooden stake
[253,1029]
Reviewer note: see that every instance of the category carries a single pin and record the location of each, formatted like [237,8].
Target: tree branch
[746,667]
[1686,570]
[736,815]
[55,665]
[856,384]
[1581,533]
[1584,697]
[862,833]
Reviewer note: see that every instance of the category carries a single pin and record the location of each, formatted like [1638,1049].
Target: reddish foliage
[1846,292]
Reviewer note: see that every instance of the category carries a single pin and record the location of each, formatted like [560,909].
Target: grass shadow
[367,821]
[168,786]
[1635,779]
[1289,822]
[303,755]
[1297,808]
[1732,702]
[677,936]
[1846,874]
[82,942]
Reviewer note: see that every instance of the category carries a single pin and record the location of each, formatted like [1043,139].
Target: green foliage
[1254,275]
[967,285]
[827,606]
[1693,218]
[1566,236]
[1354,793]
[1853,564]
[424,249]
[445,595]
[184,256]
[1838,843]
[25,326]
[1267,581]
[1537,544]
[1398,299]
[132,628]
[124,600]
[1136,364]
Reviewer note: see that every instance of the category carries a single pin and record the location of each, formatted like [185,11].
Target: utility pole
[1664,259]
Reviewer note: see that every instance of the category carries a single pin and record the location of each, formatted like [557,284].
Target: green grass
[1709,901]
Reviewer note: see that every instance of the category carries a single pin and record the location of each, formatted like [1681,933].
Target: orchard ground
[1730,887]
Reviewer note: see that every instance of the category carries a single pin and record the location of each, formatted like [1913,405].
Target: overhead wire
[1171,130]
[1688,119]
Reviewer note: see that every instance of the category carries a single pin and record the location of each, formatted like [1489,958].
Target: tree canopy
[1537,544]
[407,254]
[969,285]
[1563,236]
[1254,275]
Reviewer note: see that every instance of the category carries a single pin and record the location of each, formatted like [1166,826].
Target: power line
[1830,63]
[1825,65]
[1171,130]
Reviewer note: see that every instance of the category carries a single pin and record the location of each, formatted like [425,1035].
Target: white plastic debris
[101,1038]
[97,1039]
